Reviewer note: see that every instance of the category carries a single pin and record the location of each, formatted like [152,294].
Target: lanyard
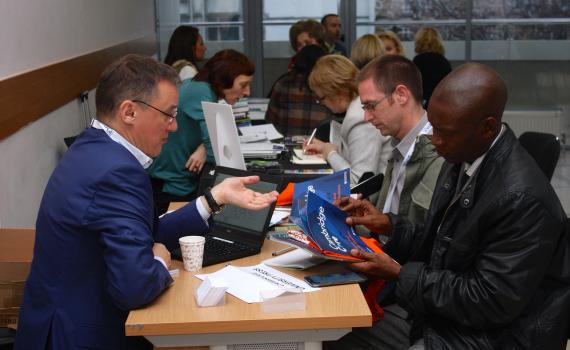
[426,130]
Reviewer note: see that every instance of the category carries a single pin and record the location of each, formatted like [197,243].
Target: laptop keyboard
[214,247]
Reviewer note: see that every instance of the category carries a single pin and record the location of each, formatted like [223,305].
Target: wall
[34,34]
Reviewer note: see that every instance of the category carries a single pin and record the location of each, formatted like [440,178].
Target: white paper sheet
[297,259]
[277,217]
[299,157]
[267,129]
[246,283]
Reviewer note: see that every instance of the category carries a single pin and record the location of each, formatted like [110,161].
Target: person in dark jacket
[489,269]
[293,106]
[430,60]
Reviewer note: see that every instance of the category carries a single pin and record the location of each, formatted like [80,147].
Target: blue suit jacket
[93,259]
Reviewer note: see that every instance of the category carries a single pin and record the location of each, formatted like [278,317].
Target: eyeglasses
[371,106]
[320,100]
[170,116]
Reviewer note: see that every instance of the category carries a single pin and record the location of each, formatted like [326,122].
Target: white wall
[37,33]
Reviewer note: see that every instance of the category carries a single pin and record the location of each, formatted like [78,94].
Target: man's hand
[319,147]
[379,265]
[362,212]
[160,250]
[233,191]
[196,161]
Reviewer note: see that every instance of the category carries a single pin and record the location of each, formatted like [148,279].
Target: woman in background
[292,108]
[306,32]
[362,148]
[365,49]
[392,43]
[175,172]
[430,60]
[185,48]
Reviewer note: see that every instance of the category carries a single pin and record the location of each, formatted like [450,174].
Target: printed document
[247,283]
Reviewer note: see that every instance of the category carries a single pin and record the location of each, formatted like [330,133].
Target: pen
[282,251]
[310,138]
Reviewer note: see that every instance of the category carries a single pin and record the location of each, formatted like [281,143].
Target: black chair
[543,148]
[69,140]
[7,337]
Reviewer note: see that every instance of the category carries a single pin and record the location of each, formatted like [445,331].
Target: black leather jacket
[496,274]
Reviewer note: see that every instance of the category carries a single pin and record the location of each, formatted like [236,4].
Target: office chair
[69,140]
[543,148]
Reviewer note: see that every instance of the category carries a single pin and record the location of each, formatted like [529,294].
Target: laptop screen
[246,221]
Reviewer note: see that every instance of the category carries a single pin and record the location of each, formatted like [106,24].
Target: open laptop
[237,232]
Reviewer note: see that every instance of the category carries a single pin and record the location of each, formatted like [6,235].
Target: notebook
[237,232]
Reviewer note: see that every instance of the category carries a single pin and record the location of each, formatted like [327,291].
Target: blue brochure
[328,227]
[330,188]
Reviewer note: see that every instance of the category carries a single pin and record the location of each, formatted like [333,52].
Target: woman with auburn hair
[362,148]
[365,49]
[430,60]
[185,48]
[175,172]
[391,42]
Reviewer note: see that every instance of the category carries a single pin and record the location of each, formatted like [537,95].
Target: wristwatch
[216,208]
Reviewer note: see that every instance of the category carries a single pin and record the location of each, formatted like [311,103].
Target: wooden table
[174,319]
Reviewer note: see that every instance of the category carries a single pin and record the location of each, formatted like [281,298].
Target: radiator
[547,121]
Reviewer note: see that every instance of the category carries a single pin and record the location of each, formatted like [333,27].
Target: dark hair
[311,27]
[306,59]
[304,62]
[325,17]
[389,71]
[223,68]
[181,45]
[131,77]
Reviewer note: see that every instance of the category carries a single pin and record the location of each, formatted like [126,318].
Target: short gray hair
[131,77]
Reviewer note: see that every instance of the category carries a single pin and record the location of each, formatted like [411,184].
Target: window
[521,30]
[279,16]
[500,30]
[220,22]
[405,17]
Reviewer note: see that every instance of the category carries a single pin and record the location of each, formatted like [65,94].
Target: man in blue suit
[100,251]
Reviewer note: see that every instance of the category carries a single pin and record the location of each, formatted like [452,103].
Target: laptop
[237,232]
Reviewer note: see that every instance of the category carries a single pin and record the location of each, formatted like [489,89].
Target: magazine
[324,231]
[330,187]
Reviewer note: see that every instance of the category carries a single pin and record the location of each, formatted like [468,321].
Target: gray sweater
[362,147]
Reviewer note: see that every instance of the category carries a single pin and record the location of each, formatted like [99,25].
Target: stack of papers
[255,143]
[241,112]
[211,291]
[266,129]
[264,149]
[258,108]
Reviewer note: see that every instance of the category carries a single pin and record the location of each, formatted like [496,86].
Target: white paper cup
[192,248]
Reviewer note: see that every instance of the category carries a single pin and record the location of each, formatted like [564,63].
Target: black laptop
[237,232]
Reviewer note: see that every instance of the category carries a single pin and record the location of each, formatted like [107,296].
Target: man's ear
[490,128]
[401,94]
[127,112]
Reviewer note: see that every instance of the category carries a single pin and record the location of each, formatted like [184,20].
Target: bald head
[474,91]
[465,111]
